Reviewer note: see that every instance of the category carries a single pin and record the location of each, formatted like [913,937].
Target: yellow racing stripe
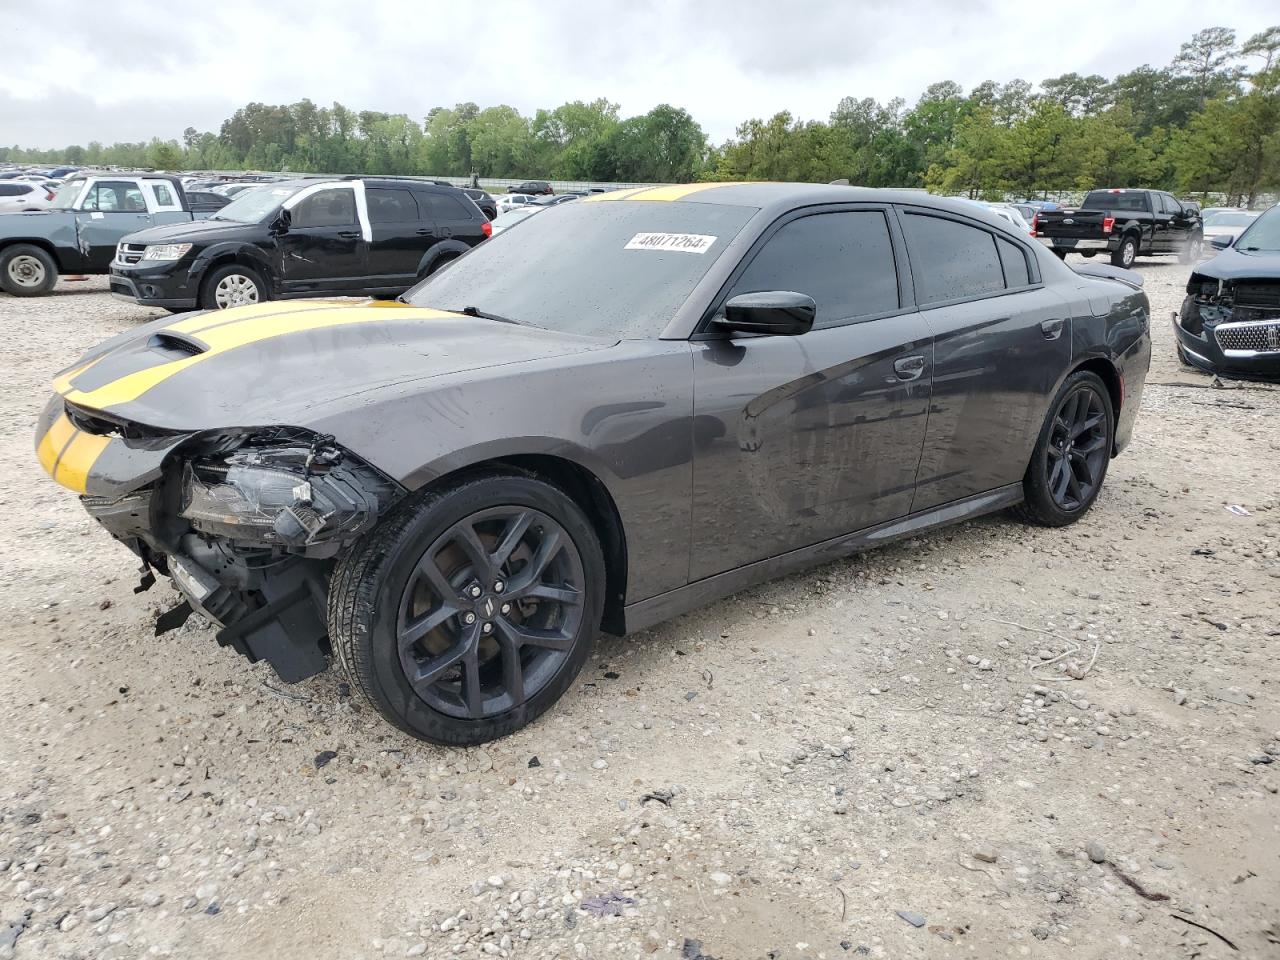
[613,195]
[78,459]
[230,335]
[674,191]
[53,442]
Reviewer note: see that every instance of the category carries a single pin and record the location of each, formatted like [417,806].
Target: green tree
[164,155]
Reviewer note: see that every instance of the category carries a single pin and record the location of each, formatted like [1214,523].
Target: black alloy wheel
[1072,454]
[1077,449]
[470,608]
[491,612]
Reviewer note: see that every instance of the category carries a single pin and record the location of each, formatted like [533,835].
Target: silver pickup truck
[78,232]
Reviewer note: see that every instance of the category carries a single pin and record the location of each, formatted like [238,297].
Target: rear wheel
[233,285]
[1126,253]
[1192,250]
[468,612]
[27,270]
[1072,453]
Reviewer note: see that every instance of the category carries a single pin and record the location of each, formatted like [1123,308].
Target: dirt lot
[858,761]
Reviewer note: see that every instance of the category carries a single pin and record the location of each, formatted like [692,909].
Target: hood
[291,363]
[202,230]
[1223,231]
[1233,264]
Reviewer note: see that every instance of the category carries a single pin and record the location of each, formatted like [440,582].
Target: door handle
[1052,329]
[909,368]
[426,232]
[348,235]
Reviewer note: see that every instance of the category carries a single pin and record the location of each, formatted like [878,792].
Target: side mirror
[281,222]
[778,313]
[1221,241]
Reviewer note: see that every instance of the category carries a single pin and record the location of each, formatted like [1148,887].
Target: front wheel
[1126,253]
[467,612]
[27,271]
[233,286]
[1072,453]
[1192,250]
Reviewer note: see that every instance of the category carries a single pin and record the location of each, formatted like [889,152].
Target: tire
[1054,499]
[414,572]
[1126,253]
[1192,250]
[233,285]
[1088,254]
[440,263]
[27,270]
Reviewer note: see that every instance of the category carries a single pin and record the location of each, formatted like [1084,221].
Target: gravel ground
[857,761]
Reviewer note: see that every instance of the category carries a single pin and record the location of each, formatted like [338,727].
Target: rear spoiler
[1108,272]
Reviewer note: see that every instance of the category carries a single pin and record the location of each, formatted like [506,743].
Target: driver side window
[843,260]
[328,208]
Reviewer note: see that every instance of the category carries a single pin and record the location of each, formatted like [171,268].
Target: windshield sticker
[679,242]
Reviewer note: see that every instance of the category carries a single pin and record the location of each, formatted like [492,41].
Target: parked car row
[303,237]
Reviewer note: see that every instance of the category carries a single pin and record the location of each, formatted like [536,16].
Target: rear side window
[843,260]
[11,190]
[1106,200]
[441,206]
[391,206]
[164,196]
[1014,262]
[328,208]
[950,260]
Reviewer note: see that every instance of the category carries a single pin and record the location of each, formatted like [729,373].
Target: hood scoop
[175,345]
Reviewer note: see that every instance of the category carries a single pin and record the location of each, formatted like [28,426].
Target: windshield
[1229,220]
[68,194]
[1106,200]
[1263,234]
[616,269]
[254,205]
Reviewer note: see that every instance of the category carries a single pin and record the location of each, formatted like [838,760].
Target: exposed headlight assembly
[166,251]
[289,494]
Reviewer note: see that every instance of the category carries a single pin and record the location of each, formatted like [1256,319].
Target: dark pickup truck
[316,237]
[78,233]
[1125,223]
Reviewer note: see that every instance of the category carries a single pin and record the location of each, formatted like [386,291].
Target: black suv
[537,188]
[301,238]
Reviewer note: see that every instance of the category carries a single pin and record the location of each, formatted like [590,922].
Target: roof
[783,196]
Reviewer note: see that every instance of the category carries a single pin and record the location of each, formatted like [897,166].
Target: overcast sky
[130,70]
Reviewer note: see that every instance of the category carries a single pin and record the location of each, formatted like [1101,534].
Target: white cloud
[131,69]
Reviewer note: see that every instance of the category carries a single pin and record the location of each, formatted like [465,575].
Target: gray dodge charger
[617,411]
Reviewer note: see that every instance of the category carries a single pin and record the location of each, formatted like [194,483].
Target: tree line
[1209,121]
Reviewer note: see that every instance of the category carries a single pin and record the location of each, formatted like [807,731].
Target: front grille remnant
[1238,338]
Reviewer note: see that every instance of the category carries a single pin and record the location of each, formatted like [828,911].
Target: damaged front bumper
[246,523]
[1231,328]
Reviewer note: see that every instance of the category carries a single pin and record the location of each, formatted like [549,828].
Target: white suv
[17,196]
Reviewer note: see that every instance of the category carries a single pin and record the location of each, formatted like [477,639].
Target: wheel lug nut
[475,591]
[499,586]
[468,618]
[506,608]
[487,628]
